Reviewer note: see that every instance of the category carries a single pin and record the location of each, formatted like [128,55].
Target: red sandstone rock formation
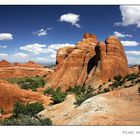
[29,64]
[4,63]
[7,70]
[10,94]
[32,64]
[89,63]
[18,71]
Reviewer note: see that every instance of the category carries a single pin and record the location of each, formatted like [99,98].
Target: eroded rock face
[4,63]
[10,94]
[89,63]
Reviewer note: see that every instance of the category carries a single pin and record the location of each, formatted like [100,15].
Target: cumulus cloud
[136,53]
[6,36]
[20,55]
[133,60]
[42,32]
[16,57]
[121,35]
[71,18]
[130,16]
[59,45]
[3,55]
[3,47]
[49,51]
[129,43]
[34,48]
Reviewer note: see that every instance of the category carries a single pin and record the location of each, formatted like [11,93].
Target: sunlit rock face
[89,63]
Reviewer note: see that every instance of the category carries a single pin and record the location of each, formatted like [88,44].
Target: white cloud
[3,47]
[118,34]
[129,43]
[17,57]
[57,46]
[20,55]
[130,16]
[42,32]
[6,36]
[136,53]
[41,49]
[3,55]
[132,60]
[70,18]
[34,48]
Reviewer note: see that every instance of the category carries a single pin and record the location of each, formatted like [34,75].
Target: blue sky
[36,32]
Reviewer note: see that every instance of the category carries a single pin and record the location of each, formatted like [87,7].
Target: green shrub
[131,76]
[25,120]
[28,82]
[109,80]
[106,89]
[57,95]
[138,89]
[1,111]
[99,87]
[27,109]
[117,77]
[82,93]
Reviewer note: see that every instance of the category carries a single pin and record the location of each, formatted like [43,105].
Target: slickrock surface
[10,94]
[89,63]
[120,107]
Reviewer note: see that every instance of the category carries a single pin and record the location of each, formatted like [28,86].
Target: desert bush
[27,109]
[82,93]
[57,95]
[29,82]
[130,77]
[109,80]
[117,77]
[99,87]
[25,120]
[1,111]
[106,89]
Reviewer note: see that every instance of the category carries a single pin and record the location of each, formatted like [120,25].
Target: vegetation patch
[27,109]
[25,120]
[57,95]
[1,111]
[28,82]
[82,93]
[26,115]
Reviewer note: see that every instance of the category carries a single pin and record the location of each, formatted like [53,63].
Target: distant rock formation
[134,69]
[4,63]
[89,63]
[8,70]
[29,64]
[10,95]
